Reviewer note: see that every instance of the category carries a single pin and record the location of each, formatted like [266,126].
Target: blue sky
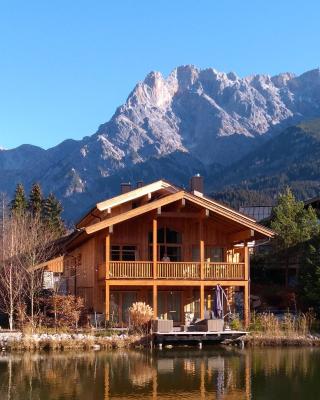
[66,65]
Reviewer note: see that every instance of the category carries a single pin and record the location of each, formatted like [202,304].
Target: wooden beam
[107,310]
[107,255]
[173,214]
[155,301]
[246,262]
[159,211]
[241,236]
[201,301]
[201,247]
[134,212]
[175,282]
[154,246]
[246,305]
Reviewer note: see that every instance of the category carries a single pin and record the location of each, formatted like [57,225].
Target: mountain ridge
[210,117]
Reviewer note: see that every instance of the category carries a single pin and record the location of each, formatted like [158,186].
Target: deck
[200,337]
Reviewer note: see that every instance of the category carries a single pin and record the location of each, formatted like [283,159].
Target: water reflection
[168,374]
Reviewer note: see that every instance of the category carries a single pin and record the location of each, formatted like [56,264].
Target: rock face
[214,117]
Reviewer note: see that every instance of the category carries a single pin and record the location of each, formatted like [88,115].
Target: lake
[215,373]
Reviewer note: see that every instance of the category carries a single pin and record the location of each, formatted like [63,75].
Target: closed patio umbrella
[218,309]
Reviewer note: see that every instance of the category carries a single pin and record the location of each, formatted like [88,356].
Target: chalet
[162,245]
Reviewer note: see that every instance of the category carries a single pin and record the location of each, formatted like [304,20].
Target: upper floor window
[166,236]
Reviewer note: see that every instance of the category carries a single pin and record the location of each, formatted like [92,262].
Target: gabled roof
[202,201]
[125,197]
[135,194]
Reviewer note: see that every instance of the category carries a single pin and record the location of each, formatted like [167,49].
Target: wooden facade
[164,246]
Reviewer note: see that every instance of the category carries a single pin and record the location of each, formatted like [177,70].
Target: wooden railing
[131,269]
[224,271]
[173,270]
[178,270]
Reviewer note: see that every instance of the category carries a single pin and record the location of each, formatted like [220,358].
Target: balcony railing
[173,270]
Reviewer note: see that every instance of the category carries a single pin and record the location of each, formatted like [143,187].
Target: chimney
[196,184]
[125,187]
[139,184]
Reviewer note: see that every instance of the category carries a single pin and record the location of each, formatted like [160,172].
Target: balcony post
[107,274]
[107,301]
[202,301]
[155,301]
[201,244]
[246,262]
[107,255]
[154,246]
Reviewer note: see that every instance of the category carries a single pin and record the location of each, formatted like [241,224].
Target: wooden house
[162,245]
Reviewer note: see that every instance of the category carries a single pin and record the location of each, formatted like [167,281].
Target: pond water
[216,373]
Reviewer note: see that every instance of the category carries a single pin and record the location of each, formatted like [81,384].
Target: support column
[107,311]
[154,246]
[201,301]
[201,244]
[246,294]
[155,301]
[107,305]
[246,304]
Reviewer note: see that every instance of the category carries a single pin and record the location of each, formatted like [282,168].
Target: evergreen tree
[51,213]
[19,202]
[35,200]
[293,224]
[309,275]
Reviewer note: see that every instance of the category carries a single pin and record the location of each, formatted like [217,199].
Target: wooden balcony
[173,270]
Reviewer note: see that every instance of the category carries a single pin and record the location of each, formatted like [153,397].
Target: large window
[211,253]
[123,253]
[169,244]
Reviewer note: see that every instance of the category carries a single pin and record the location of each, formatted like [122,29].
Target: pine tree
[19,202]
[35,200]
[51,213]
[293,225]
[309,275]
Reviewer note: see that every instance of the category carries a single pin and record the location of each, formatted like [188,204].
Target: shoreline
[18,341]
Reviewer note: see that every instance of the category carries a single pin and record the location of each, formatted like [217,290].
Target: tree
[37,246]
[35,200]
[51,212]
[293,224]
[309,275]
[19,203]
[12,275]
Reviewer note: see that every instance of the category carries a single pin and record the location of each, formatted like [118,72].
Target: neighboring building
[259,213]
[162,245]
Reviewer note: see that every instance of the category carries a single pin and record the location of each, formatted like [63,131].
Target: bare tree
[12,276]
[37,246]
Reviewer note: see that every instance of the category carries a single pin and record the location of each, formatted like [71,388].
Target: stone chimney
[196,184]
[125,187]
[139,184]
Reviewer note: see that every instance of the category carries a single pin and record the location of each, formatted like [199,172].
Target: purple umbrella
[218,302]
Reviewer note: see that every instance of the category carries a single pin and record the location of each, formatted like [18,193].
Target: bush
[140,315]
[63,311]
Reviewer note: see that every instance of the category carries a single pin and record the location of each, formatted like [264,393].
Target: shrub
[140,315]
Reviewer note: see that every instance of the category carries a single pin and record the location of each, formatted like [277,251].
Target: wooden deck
[192,338]
[173,270]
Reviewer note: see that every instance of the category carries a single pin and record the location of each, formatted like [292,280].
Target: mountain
[292,158]
[193,120]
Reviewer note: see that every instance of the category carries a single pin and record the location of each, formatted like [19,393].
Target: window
[169,244]
[167,236]
[123,253]
[212,254]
